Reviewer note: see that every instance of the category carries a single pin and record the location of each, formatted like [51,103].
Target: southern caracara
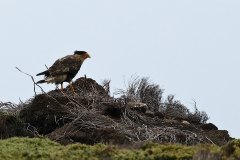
[64,69]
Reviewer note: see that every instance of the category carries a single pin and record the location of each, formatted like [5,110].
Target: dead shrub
[175,109]
[12,108]
[11,125]
[144,91]
[93,116]
[106,85]
[199,117]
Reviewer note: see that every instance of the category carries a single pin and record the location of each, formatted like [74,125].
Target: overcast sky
[190,48]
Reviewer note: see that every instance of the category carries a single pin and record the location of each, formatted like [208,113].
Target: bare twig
[34,83]
[209,140]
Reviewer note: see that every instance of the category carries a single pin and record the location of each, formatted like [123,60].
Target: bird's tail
[42,73]
[41,81]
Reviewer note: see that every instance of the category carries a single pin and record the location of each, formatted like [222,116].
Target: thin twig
[34,83]
[209,140]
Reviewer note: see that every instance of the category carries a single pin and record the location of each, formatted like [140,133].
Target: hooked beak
[88,56]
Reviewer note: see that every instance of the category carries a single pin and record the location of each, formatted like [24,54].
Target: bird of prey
[64,69]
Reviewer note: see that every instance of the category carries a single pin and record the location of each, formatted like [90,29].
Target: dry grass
[93,116]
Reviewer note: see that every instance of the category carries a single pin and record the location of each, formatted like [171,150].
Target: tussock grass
[35,148]
[41,148]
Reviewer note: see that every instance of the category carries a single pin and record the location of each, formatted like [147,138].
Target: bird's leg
[56,87]
[61,89]
[61,86]
[72,88]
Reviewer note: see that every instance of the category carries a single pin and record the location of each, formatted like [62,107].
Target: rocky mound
[91,115]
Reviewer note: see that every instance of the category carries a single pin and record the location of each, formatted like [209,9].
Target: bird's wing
[65,65]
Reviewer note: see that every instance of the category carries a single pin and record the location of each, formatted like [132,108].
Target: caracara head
[82,54]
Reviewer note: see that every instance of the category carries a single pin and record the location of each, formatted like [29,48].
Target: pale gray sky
[190,48]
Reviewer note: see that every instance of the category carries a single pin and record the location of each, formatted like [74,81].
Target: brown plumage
[64,69]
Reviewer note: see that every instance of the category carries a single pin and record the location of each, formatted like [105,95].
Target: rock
[186,122]
[137,106]
[209,126]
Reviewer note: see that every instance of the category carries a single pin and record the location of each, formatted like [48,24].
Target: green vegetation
[41,148]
